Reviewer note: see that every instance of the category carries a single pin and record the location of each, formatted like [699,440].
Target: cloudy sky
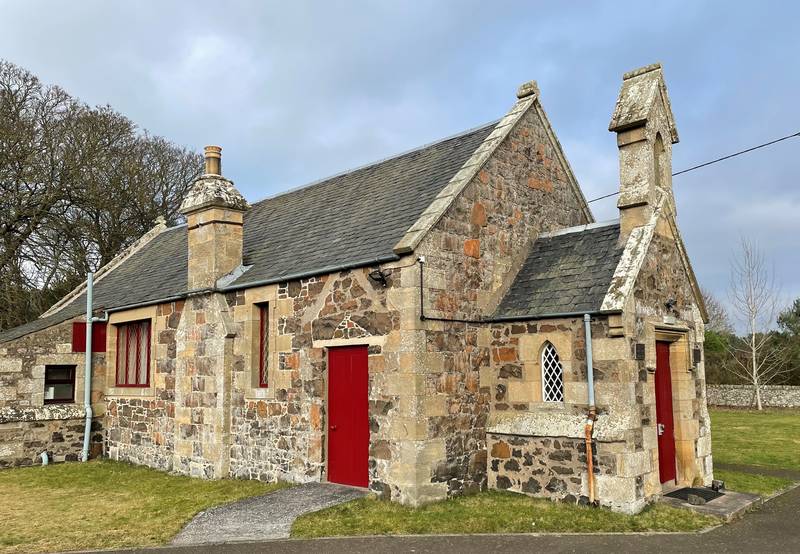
[295,91]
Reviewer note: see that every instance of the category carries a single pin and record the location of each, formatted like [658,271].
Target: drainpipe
[591,416]
[87,373]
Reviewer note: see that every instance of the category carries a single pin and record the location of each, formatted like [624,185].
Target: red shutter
[79,336]
[98,337]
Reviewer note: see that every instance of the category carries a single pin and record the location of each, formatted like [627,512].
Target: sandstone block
[633,464]
[616,491]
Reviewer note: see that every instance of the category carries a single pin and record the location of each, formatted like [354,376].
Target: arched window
[552,375]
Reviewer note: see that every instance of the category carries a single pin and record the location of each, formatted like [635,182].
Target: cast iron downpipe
[592,414]
[87,367]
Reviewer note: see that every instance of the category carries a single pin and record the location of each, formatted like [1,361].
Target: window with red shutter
[133,354]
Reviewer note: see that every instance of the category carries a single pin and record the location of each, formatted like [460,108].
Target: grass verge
[769,439]
[104,504]
[488,512]
[763,485]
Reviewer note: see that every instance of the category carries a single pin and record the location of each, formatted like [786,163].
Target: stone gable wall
[521,191]
[28,426]
[472,254]
[663,278]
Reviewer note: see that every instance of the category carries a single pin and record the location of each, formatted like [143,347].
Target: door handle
[333,427]
[660,429]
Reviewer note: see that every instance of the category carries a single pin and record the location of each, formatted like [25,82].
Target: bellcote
[646,131]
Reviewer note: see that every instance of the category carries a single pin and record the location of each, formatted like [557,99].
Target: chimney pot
[213,160]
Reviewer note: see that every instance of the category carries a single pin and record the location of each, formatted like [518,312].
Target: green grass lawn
[763,485]
[488,512]
[104,504]
[770,438]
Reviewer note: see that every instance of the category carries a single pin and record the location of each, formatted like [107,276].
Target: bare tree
[718,320]
[77,185]
[755,298]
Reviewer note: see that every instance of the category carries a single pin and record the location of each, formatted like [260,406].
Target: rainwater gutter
[313,273]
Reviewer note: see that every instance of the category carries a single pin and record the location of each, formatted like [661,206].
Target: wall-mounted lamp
[670,304]
[379,276]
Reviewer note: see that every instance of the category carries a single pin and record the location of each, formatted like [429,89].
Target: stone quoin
[453,279]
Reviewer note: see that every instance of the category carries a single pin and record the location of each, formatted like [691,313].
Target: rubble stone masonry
[28,426]
[524,188]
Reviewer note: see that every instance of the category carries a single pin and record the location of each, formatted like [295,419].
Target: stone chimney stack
[214,212]
[646,131]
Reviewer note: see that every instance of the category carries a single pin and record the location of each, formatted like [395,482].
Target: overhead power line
[729,156]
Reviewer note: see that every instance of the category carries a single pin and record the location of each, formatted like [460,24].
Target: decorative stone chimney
[646,131]
[214,211]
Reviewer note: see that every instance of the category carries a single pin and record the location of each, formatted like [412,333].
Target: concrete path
[262,517]
[771,528]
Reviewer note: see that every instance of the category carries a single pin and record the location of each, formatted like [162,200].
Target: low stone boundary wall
[58,430]
[742,396]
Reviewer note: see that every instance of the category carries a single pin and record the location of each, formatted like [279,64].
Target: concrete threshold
[729,506]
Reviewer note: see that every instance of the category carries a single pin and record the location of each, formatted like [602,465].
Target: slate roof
[354,218]
[565,272]
[157,271]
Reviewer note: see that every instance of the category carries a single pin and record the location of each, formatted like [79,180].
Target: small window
[133,354]
[263,345]
[59,384]
[552,375]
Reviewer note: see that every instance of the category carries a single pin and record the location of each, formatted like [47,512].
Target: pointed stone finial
[528,89]
[641,89]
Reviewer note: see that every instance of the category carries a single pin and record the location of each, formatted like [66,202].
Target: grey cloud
[295,91]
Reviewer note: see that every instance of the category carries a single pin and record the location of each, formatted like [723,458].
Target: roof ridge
[579,228]
[376,162]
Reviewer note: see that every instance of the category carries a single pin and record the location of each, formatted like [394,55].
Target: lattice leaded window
[552,375]
[263,345]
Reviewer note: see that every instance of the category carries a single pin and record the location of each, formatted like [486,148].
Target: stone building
[415,326]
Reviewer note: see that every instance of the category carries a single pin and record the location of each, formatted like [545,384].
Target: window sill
[131,392]
[259,393]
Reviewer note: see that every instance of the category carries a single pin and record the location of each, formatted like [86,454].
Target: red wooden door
[664,418]
[348,418]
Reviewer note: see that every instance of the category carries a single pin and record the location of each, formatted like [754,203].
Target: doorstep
[729,506]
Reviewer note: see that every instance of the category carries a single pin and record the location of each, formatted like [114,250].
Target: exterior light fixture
[670,304]
[379,276]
